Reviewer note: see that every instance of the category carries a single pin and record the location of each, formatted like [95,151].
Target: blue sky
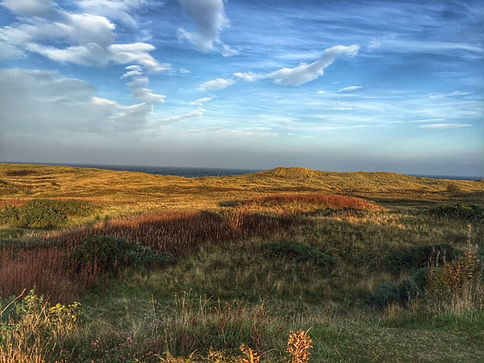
[332,85]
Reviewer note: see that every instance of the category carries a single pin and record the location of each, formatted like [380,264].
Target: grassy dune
[373,266]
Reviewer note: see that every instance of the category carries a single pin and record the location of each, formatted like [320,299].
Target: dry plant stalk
[299,346]
[252,356]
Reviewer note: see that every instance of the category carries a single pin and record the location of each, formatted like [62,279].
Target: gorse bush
[37,214]
[301,253]
[420,256]
[468,212]
[108,254]
[9,215]
[43,213]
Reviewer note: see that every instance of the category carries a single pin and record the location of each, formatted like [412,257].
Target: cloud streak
[217,84]
[444,126]
[350,89]
[209,18]
[309,72]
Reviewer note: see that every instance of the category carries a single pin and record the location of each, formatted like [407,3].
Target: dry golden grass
[118,193]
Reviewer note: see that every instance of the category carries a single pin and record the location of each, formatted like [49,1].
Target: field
[284,266]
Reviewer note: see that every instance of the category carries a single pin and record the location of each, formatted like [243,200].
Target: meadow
[288,265]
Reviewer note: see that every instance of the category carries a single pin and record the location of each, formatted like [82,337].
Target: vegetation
[350,267]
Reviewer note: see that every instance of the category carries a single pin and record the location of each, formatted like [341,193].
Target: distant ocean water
[187,172]
[196,172]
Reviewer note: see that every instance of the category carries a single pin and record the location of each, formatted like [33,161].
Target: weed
[299,346]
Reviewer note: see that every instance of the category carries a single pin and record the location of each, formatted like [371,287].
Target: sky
[330,85]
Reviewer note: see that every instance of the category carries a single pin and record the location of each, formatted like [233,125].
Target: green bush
[144,256]
[36,214]
[401,293]
[301,253]
[468,212]
[109,254]
[420,256]
[43,213]
[9,215]
[68,207]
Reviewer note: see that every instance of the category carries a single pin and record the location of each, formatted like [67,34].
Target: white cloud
[196,113]
[398,45]
[133,70]
[217,84]
[249,76]
[201,101]
[321,92]
[209,19]
[113,9]
[309,72]
[30,7]
[88,38]
[226,51]
[350,89]
[304,73]
[9,51]
[137,85]
[444,126]
[63,105]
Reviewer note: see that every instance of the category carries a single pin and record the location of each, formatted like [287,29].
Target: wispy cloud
[309,72]
[444,126]
[63,104]
[201,101]
[119,10]
[248,76]
[350,89]
[304,73]
[172,119]
[217,84]
[400,45]
[209,19]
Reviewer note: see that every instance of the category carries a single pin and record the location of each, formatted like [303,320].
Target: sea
[200,172]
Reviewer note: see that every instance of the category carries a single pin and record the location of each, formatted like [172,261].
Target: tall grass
[50,270]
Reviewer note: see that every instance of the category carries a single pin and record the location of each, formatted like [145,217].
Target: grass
[252,259]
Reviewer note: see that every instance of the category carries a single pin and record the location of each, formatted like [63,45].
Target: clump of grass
[36,330]
[197,324]
[301,253]
[457,286]
[420,256]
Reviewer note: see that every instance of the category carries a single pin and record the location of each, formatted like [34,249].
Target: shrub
[9,215]
[144,256]
[468,212]
[107,254]
[43,213]
[301,253]
[420,256]
[37,214]
[403,292]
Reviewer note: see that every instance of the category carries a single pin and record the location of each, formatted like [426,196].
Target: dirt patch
[21,173]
